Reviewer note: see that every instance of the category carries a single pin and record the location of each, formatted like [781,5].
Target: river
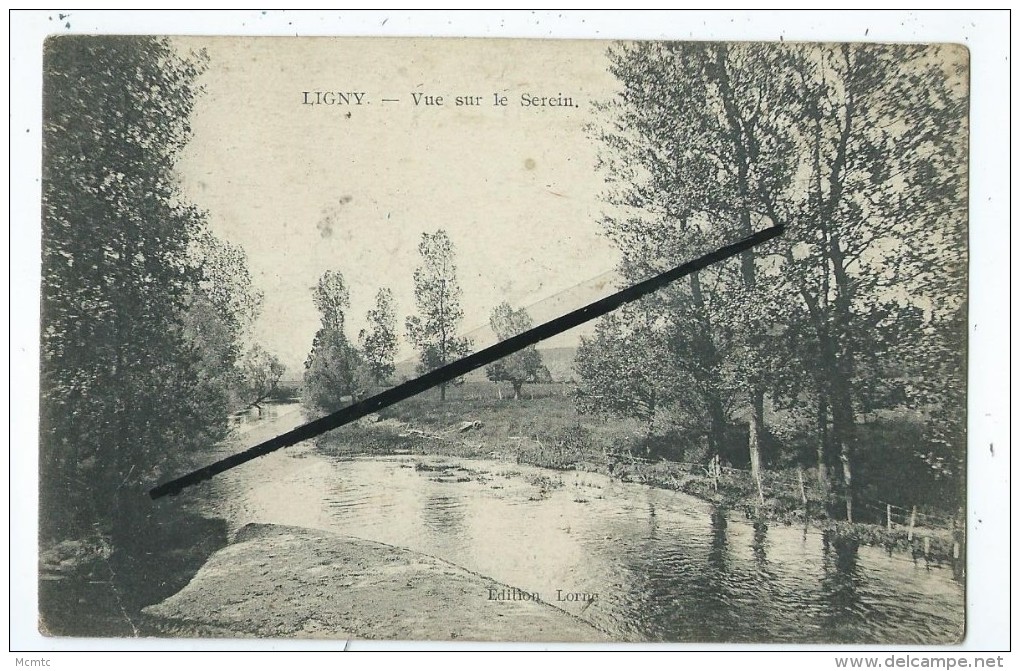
[643,564]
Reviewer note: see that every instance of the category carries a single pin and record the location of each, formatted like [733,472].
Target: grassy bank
[544,429]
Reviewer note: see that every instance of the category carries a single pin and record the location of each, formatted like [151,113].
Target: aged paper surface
[244,234]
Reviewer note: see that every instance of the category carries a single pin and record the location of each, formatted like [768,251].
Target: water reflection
[243,420]
[717,553]
[718,610]
[443,514]
[759,546]
[841,584]
[666,567]
[653,525]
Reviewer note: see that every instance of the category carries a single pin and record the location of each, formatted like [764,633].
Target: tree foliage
[522,366]
[859,151]
[332,298]
[259,376]
[437,296]
[335,371]
[379,340]
[219,317]
[617,371]
[122,390]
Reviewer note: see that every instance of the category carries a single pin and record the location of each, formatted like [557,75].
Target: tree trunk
[758,410]
[756,423]
[842,370]
[848,494]
[823,443]
[843,434]
[716,414]
[717,427]
[754,435]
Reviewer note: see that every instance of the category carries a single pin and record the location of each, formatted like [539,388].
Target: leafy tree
[936,384]
[333,299]
[630,368]
[883,134]
[218,318]
[121,396]
[437,296]
[685,147]
[616,371]
[334,372]
[259,374]
[335,369]
[379,340]
[857,150]
[522,366]
[226,282]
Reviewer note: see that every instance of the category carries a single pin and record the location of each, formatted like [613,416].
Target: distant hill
[405,370]
[559,361]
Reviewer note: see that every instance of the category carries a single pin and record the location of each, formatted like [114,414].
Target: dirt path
[295,580]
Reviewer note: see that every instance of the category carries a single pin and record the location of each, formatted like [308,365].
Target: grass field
[542,428]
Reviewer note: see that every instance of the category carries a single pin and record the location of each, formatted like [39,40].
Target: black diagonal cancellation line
[463,366]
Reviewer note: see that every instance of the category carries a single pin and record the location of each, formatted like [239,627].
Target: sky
[303,188]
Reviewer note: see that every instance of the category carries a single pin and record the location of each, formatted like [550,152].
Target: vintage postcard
[242,235]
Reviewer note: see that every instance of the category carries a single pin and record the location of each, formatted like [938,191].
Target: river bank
[206,570]
[387,534]
[292,582]
[549,441]
[93,586]
[664,566]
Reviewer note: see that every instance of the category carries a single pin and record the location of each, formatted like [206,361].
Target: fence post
[913,521]
[888,517]
[800,481]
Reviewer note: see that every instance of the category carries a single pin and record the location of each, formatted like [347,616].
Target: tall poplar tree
[379,340]
[437,296]
[334,369]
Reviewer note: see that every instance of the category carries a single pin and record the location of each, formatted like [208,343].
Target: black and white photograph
[504,340]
